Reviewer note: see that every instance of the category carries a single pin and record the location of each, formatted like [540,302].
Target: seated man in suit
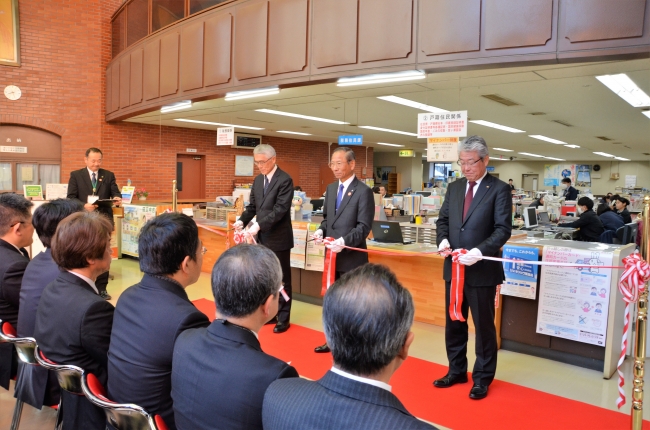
[16,232]
[355,393]
[36,385]
[220,373]
[151,314]
[73,323]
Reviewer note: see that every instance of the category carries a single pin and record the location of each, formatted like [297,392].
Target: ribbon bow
[242,236]
[631,285]
[457,284]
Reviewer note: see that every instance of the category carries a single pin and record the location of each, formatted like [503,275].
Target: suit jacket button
[462,229]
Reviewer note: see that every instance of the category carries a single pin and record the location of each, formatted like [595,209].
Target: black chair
[627,233]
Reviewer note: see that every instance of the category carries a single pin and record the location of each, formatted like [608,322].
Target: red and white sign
[226,136]
[448,124]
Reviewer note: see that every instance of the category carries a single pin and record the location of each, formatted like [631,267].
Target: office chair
[627,233]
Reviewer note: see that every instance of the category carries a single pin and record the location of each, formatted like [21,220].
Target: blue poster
[521,278]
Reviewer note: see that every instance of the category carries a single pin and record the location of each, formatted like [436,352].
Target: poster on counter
[135,217]
[521,278]
[299,250]
[56,191]
[574,301]
[315,258]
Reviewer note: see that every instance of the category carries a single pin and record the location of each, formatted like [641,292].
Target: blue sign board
[521,278]
[351,139]
[490,168]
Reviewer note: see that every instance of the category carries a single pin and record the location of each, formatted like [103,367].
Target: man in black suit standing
[355,393]
[16,232]
[348,211]
[477,216]
[569,192]
[220,373]
[270,201]
[91,184]
[151,314]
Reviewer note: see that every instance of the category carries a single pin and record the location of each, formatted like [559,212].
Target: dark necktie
[266,183]
[339,197]
[24,252]
[94,182]
[468,198]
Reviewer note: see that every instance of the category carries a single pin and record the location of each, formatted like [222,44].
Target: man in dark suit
[477,216]
[569,192]
[91,184]
[16,232]
[589,223]
[355,393]
[151,314]
[36,385]
[220,373]
[270,201]
[73,323]
[348,211]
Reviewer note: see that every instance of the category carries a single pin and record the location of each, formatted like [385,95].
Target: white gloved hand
[472,256]
[337,246]
[444,245]
[238,225]
[253,229]
[317,236]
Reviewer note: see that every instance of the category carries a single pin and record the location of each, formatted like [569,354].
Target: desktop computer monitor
[530,217]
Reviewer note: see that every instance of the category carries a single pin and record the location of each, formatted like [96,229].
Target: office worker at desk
[621,208]
[537,203]
[569,193]
[590,225]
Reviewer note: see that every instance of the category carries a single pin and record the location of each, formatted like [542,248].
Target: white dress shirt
[368,381]
[87,279]
[478,182]
[346,185]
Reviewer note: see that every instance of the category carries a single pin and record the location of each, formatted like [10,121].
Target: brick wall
[65,48]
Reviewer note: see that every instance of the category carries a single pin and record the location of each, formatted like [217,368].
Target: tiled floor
[545,375]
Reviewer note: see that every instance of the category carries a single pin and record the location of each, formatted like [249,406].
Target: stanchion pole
[174,196]
[641,327]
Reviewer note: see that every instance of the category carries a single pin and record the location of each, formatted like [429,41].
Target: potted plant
[141,193]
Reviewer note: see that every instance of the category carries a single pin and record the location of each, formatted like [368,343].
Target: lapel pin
[350,193]
[487,186]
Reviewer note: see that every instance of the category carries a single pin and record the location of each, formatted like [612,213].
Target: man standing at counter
[89,185]
[476,216]
[270,201]
[348,211]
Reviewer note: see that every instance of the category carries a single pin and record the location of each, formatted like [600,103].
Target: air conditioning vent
[538,113]
[603,138]
[247,141]
[566,124]
[499,99]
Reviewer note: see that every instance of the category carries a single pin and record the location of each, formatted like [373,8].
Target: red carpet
[509,406]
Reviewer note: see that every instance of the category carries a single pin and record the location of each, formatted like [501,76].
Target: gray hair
[243,279]
[349,153]
[474,144]
[264,149]
[367,315]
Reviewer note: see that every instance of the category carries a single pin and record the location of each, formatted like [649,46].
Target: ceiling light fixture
[411,103]
[531,155]
[621,158]
[218,124]
[259,92]
[553,158]
[497,126]
[604,154]
[388,130]
[502,149]
[380,78]
[547,139]
[294,132]
[295,115]
[572,146]
[185,104]
[626,89]
[390,144]
[646,113]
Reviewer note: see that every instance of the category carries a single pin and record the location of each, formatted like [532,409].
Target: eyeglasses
[468,163]
[261,163]
[338,164]
[203,250]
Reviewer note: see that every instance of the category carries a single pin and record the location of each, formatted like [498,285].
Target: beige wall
[409,167]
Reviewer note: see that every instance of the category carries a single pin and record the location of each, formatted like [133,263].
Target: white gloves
[318,235]
[337,246]
[238,225]
[472,256]
[444,245]
[253,229]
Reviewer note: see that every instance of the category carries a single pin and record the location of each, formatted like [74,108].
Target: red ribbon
[457,286]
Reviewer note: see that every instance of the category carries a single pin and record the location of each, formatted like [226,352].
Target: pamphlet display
[56,191]
[574,301]
[33,191]
[315,259]
[127,194]
[135,217]
[299,250]
[521,278]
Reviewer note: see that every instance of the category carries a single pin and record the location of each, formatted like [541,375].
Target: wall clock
[12,92]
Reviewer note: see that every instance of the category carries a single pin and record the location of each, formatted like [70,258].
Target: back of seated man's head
[48,216]
[165,243]
[14,209]
[243,278]
[367,317]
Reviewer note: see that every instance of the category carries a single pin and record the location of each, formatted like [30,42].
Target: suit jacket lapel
[349,193]
[483,189]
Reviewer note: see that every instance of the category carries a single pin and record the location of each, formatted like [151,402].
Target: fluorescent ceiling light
[185,104]
[295,115]
[217,123]
[293,132]
[411,103]
[502,149]
[388,130]
[547,139]
[380,78]
[553,158]
[497,126]
[259,92]
[604,154]
[621,158]
[572,146]
[390,144]
[626,89]
[531,155]
[646,113]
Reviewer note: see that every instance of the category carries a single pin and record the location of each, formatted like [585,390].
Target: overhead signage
[190,149]
[442,149]
[14,149]
[351,140]
[449,124]
[226,136]
[406,153]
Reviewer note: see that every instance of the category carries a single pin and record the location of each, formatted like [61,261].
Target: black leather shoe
[322,348]
[273,320]
[281,327]
[449,380]
[104,295]
[478,392]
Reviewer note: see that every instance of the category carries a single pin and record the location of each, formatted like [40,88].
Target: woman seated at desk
[537,202]
[591,227]
[611,220]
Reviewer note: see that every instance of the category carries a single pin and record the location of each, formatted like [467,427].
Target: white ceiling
[569,93]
